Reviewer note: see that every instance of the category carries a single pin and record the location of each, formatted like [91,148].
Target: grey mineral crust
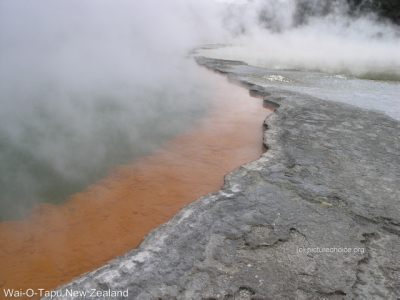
[316,217]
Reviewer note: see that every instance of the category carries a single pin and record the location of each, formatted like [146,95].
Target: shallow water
[57,243]
[378,95]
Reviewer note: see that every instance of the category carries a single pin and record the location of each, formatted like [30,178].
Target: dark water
[55,142]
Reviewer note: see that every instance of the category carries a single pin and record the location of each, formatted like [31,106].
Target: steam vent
[315,217]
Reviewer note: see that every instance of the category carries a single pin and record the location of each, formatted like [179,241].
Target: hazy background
[91,84]
[316,35]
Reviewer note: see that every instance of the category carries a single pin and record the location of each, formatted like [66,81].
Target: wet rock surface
[316,217]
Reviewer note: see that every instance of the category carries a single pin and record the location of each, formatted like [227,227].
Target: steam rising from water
[87,85]
[314,35]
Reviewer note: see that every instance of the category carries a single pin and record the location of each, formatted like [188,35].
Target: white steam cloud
[86,85]
[314,35]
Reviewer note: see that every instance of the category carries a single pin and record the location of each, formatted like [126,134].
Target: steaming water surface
[85,86]
[56,145]
[111,216]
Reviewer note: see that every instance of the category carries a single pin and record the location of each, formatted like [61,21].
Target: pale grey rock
[316,217]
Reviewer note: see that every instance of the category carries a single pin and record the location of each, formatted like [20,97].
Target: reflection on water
[57,243]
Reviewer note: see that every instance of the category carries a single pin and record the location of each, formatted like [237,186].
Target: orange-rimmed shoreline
[57,243]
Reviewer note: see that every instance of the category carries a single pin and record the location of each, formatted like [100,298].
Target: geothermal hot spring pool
[193,134]
[105,133]
[54,243]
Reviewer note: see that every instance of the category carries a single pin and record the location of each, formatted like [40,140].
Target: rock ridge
[317,216]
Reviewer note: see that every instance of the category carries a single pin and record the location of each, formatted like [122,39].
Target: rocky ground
[316,217]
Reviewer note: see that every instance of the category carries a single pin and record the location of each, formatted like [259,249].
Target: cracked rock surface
[316,217]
